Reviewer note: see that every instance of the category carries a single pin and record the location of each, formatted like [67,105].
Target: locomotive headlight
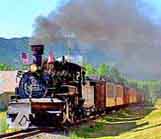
[33,68]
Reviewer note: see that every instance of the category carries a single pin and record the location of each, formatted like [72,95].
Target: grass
[3,122]
[131,123]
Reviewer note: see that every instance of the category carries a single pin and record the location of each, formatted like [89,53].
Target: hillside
[11,50]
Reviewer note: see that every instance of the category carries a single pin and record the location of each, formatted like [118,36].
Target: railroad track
[34,131]
[25,133]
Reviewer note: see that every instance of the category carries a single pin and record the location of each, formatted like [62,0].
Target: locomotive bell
[37,52]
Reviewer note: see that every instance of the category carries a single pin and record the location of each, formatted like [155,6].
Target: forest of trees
[151,88]
[5,67]
[105,71]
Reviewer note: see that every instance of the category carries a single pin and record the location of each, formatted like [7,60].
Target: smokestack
[37,52]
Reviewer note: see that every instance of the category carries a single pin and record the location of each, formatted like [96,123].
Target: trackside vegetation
[134,122]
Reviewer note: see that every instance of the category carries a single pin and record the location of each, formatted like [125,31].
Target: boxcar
[88,94]
[126,95]
[130,93]
[119,94]
[110,94]
[140,97]
[100,95]
[135,96]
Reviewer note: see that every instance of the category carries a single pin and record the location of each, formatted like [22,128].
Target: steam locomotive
[49,90]
[56,92]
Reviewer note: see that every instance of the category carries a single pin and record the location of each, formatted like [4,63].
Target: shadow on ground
[115,123]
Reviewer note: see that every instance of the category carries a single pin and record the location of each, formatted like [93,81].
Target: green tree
[24,67]
[90,70]
[103,70]
[115,74]
[4,67]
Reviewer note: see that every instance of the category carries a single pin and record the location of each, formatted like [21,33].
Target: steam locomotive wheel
[72,116]
[69,115]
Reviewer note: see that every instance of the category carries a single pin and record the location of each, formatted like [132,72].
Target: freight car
[56,92]
[103,96]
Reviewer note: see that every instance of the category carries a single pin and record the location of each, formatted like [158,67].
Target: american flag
[51,58]
[25,58]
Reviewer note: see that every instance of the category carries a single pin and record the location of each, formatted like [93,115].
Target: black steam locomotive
[48,93]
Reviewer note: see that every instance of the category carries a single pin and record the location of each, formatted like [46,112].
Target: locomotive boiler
[48,93]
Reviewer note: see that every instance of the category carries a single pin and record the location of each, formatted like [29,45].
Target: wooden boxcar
[88,94]
[126,95]
[100,95]
[110,94]
[130,93]
[140,97]
[134,96]
[119,94]
[105,94]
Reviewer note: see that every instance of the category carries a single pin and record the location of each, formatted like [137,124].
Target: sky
[130,37]
[17,16]
[155,12]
